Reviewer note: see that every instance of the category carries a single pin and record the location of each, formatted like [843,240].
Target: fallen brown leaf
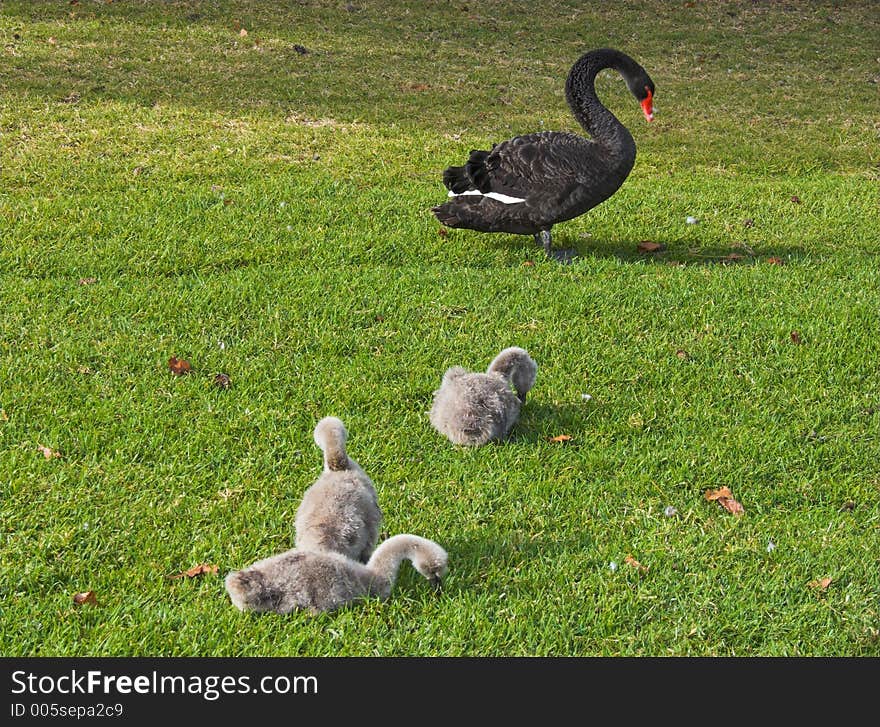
[529,263]
[796,338]
[749,222]
[443,232]
[630,561]
[822,583]
[85,597]
[52,41]
[720,492]
[222,381]
[48,453]
[560,438]
[724,497]
[795,199]
[731,505]
[242,32]
[179,366]
[648,246]
[196,570]
[682,354]
[775,261]
[87,281]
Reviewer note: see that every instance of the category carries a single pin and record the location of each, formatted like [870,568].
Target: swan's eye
[648,104]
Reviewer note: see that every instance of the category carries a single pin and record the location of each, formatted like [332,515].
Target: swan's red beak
[648,105]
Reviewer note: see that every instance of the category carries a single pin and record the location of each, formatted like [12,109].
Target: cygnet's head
[331,435]
[432,562]
[515,365]
[330,431]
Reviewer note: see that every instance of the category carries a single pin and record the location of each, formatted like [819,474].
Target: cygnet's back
[474,408]
[340,512]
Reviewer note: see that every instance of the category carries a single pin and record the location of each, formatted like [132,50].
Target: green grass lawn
[258,203]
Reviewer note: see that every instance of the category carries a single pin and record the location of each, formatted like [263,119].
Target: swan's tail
[330,436]
[456,180]
[515,365]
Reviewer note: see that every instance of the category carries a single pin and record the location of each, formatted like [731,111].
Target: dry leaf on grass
[724,497]
[560,438]
[682,354]
[821,583]
[648,246]
[48,453]
[179,366]
[85,597]
[775,261]
[796,338]
[87,281]
[632,562]
[222,381]
[196,570]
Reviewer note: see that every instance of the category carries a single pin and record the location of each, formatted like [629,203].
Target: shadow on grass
[471,557]
[672,252]
[282,59]
[537,419]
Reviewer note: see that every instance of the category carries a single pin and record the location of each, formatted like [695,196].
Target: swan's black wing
[546,163]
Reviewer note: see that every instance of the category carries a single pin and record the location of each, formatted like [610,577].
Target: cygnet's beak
[522,398]
[436,583]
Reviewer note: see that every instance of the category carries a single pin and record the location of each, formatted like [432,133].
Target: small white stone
[771,546]
[283,205]
[670,511]
[221,345]
[691,220]
[613,566]
[586,397]
[289,228]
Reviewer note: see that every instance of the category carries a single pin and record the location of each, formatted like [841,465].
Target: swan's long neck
[580,92]
[386,559]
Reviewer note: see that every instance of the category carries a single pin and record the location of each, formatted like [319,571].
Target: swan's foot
[563,256]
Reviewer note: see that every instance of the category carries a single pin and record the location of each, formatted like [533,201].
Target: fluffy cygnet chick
[324,581]
[340,512]
[474,408]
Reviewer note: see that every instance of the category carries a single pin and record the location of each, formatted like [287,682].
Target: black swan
[529,183]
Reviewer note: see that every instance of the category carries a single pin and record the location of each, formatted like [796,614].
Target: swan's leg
[545,241]
[561,256]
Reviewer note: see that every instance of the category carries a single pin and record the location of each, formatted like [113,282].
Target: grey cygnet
[340,512]
[324,581]
[476,408]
